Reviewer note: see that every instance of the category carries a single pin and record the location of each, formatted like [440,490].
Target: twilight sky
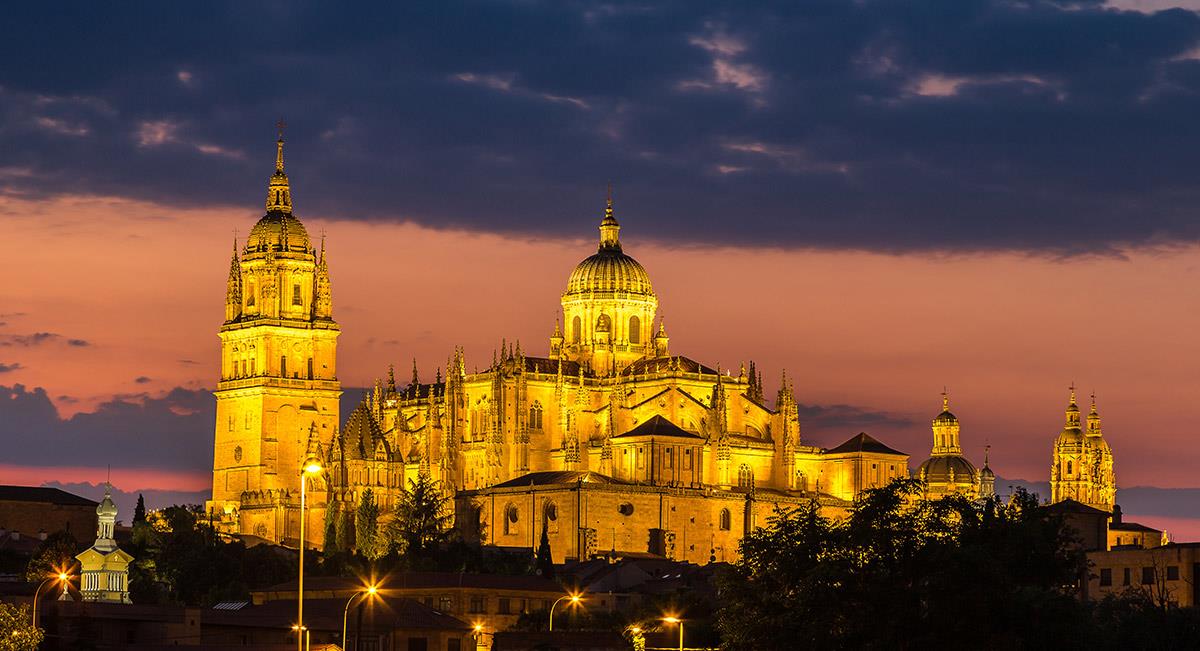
[882,197]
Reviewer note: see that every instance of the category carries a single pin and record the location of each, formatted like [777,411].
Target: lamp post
[479,633]
[574,599]
[311,466]
[368,591]
[671,619]
[61,576]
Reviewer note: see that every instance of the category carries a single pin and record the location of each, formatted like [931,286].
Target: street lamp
[479,633]
[311,467]
[61,577]
[573,598]
[671,619]
[368,591]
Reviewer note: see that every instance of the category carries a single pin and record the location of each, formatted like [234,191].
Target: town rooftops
[420,581]
[863,442]
[43,494]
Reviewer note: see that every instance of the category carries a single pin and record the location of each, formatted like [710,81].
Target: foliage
[53,555]
[367,535]
[139,511]
[422,519]
[901,571]
[545,560]
[17,632]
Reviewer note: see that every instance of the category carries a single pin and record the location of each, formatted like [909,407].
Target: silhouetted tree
[139,511]
[368,539]
[422,519]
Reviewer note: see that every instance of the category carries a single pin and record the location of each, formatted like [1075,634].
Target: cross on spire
[281,125]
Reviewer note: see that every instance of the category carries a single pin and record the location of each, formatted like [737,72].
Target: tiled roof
[659,426]
[549,477]
[863,442]
[42,494]
[664,364]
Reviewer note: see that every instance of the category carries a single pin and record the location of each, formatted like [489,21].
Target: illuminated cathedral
[610,442]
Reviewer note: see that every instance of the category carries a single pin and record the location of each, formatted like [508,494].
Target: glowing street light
[311,467]
[573,598]
[367,592]
[671,619]
[61,577]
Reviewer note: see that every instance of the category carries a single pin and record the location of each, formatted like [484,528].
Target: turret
[233,289]
[661,340]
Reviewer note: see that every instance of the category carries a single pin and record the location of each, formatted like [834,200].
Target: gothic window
[635,330]
[535,415]
[726,520]
[576,330]
[745,477]
[297,299]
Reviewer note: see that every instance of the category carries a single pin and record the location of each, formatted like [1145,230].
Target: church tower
[104,567]
[277,398]
[1082,466]
[608,308]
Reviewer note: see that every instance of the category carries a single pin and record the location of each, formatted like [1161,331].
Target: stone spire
[279,193]
[1093,420]
[609,228]
[1072,411]
[323,305]
[233,291]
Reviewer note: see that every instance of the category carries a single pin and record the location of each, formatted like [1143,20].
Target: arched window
[297,298]
[726,520]
[635,330]
[1068,467]
[511,517]
[535,415]
[576,330]
[745,477]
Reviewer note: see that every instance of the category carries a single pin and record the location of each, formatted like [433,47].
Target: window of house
[446,604]
[504,607]
[417,644]
[726,520]
[478,605]
[1172,572]
[1105,577]
[1126,578]
[1147,576]
[635,330]
[297,299]
[453,644]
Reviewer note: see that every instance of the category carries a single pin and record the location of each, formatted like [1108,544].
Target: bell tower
[277,397]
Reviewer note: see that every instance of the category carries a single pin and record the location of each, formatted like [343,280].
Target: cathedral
[1082,469]
[609,442]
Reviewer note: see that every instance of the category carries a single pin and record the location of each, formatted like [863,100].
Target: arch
[726,522]
[576,330]
[745,476]
[511,517]
[635,330]
[535,415]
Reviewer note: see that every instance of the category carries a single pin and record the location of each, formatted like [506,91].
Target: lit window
[297,299]
[576,330]
[726,520]
[635,330]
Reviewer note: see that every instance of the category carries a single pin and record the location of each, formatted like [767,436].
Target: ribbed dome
[945,418]
[609,270]
[936,470]
[106,506]
[269,232]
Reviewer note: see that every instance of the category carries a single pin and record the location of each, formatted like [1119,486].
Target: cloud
[848,417]
[168,431]
[1039,126]
[141,379]
[39,339]
[9,368]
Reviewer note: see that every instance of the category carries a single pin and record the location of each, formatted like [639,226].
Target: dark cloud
[168,432]
[9,368]
[141,379]
[945,124]
[38,339]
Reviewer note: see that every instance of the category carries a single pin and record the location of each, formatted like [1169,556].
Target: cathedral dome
[937,470]
[609,270]
[270,232]
[106,506]
[945,418]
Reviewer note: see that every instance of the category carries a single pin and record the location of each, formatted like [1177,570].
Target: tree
[17,632]
[545,561]
[53,555]
[932,574]
[422,519]
[368,539]
[139,511]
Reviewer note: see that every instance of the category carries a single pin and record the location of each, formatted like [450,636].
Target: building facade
[104,567]
[610,419]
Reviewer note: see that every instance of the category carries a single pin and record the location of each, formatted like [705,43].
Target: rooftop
[659,426]
[550,477]
[863,442]
[44,494]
